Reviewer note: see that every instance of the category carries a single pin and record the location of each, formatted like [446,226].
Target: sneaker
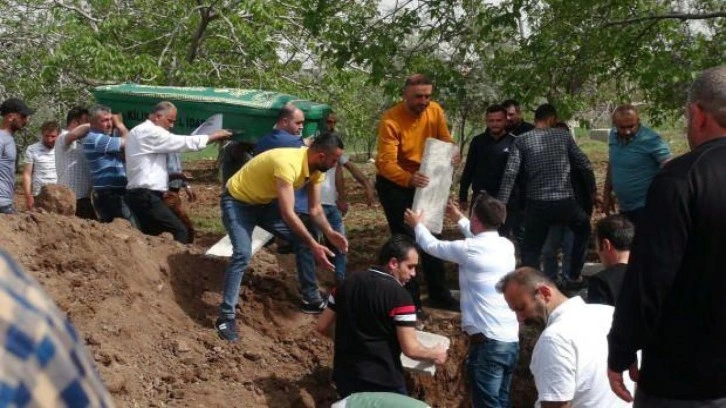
[226,329]
[313,307]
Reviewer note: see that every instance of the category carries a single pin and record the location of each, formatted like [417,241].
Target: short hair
[327,142]
[163,107]
[617,229]
[97,110]
[509,103]
[490,211]
[418,79]
[545,111]
[398,246]
[287,111]
[49,126]
[76,113]
[709,91]
[623,109]
[525,276]
[496,108]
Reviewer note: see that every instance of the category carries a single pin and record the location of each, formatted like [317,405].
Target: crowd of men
[654,311]
[113,172]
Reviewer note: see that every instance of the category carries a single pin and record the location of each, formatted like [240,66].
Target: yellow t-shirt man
[402,137]
[255,182]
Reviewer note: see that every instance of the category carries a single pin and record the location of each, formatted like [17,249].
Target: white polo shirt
[43,160]
[328,191]
[569,361]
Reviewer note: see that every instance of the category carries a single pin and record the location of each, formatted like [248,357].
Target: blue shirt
[634,164]
[275,140]
[43,357]
[8,155]
[105,160]
[174,165]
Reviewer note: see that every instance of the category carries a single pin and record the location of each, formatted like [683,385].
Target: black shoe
[313,307]
[226,329]
[446,303]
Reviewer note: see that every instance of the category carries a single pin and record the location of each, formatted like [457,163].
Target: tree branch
[669,16]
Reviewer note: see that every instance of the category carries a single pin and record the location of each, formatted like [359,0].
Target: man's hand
[453,210]
[118,120]
[440,354]
[618,385]
[29,202]
[343,206]
[221,134]
[321,254]
[413,218]
[191,196]
[338,240]
[418,180]
[456,157]
[370,195]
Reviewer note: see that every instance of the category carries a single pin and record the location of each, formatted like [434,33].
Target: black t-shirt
[368,306]
[485,163]
[523,127]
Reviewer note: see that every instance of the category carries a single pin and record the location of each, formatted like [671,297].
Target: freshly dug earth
[146,307]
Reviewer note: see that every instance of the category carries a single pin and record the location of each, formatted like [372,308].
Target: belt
[477,338]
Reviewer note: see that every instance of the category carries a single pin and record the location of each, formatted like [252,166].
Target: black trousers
[110,203]
[395,200]
[540,216]
[154,216]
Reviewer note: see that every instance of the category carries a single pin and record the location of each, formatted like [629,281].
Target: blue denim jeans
[490,366]
[239,220]
[335,219]
[559,236]
[7,209]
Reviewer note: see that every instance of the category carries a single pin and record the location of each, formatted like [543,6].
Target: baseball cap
[15,105]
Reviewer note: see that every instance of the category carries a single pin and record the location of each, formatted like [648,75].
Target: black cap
[15,105]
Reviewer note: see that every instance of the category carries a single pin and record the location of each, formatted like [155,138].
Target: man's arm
[510,173]
[363,181]
[608,201]
[387,159]
[118,123]
[452,251]
[325,323]
[286,201]
[28,184]
[580,161]
[554,368]
[467,176]
[412,348]
[78,132]
[654,262]
[318,216]
[163,141]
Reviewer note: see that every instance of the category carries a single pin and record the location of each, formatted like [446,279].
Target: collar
[305,168]
[484,234]
[377,270]
[569,304]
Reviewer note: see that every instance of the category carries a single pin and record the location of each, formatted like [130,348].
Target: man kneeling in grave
[374,318]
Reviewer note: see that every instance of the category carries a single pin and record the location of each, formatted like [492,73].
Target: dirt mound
[57,199]
[145,306]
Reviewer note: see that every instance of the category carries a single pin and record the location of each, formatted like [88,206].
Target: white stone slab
[436,165]
[223,248]
[591,268]
[428,340]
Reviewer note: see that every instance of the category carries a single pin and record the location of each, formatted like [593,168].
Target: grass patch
[208,153]
[208,220]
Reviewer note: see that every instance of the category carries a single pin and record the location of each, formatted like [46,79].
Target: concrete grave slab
[223,248]
[436,165]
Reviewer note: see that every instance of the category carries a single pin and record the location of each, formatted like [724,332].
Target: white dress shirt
[328,191]
[569,361]
[43,160]
[483,260]
[146,148]
[71,166]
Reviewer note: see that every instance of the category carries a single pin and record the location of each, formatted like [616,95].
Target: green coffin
[249,113]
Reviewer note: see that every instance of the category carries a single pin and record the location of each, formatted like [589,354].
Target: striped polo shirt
[105,160]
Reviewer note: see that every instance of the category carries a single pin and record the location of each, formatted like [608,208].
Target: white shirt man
[484,258]
[147,146]
[42,159]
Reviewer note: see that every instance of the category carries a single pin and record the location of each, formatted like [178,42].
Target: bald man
[636,153]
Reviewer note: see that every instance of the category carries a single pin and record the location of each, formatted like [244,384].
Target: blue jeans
[490,366]
[7,209]
[559,236]
[239,220]
[335,219]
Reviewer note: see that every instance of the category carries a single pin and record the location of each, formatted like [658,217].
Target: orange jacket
[402,137]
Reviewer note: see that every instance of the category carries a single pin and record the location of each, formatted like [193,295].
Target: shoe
[313,307]
[446,303]
[226,329]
